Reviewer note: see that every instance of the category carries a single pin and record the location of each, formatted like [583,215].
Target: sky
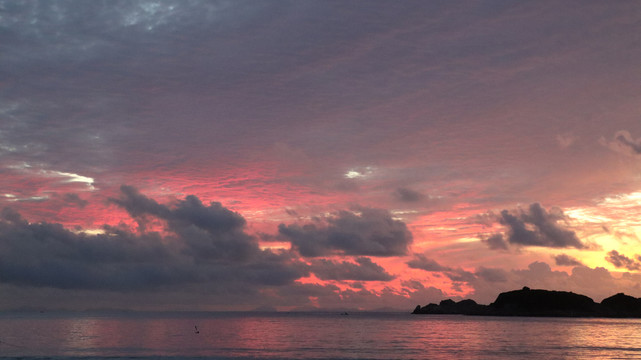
[298,155]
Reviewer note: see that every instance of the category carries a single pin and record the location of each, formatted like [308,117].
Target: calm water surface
[315,336]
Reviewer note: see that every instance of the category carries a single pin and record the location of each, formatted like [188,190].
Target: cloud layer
[200,244]
[304,153]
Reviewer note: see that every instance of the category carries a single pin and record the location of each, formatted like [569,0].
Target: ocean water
[313,336]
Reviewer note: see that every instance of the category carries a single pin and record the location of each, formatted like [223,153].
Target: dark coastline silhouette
[528,302]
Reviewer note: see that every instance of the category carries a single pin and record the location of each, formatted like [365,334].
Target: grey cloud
[422,262]
[486,219]
[492,275]
[373,232]
[267,269]
[291,212]
[412,284]
[408,195]
[622,261]
[495,242]
[566,260]
[204,244]
[458,275]
[49,255]
[363,270]
[538,227]
[137,204]
[13,217]
[211,231]
[75,199]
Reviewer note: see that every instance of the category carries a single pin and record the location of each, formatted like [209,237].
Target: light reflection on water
[316,336]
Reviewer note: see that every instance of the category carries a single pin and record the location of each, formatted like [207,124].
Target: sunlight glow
[71,177]
[586,215]
[357,173]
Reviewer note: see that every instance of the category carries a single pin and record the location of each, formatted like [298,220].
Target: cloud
[566,260]
[422,262]
[202,244]
[460,275]
[457,275]
[408,195]
[211,231]
[622,261]
[534,227]
[49,255]
[73,198]
[117,72]
[363,270]
[371,232]
[623,143]
[495,242]
[492,275]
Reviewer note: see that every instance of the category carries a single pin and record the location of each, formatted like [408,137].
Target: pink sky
[292,155]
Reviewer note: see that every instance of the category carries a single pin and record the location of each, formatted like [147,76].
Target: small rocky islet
[538,302]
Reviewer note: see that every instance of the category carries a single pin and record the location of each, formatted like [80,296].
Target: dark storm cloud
[566,260]
[372,232]
[534,227]
[408,195]
[422,262]
[206,244]
[363,270]
[622,261]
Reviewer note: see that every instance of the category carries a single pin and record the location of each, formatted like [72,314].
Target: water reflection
[305,336]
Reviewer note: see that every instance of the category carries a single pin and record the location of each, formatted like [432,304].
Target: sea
[312,335]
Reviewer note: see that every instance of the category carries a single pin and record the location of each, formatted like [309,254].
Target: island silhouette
[538,302]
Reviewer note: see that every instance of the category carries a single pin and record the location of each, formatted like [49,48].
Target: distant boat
[345,313]
[196,331]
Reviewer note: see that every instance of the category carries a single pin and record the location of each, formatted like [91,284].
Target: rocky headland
[529,302]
